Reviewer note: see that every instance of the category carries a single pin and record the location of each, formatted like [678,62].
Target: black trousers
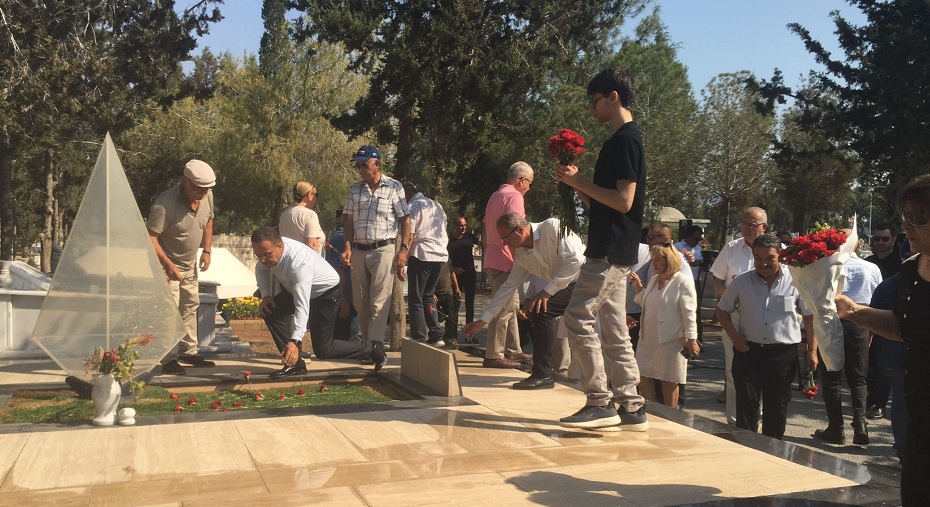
[449,306]
[467,284]
[322,323]
[545,328]
[422,277]
[766,374]
[856,367]
[915,470]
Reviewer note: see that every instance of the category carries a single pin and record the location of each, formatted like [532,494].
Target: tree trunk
[398,316]
[6,200]
[724,221]
[47,234]
[405,135]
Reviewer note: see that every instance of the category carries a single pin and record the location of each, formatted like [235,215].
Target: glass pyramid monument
[109,286]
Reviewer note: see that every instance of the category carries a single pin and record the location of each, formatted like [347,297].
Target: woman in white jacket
[668,324]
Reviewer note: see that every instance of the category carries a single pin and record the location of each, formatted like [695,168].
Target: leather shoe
[861,437]
[378,356]
[196,361]
[831,436]
[519,357]
[172,368]
[535,383]
[500,362]
[289,371]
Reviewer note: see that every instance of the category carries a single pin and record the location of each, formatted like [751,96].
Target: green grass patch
[62,406]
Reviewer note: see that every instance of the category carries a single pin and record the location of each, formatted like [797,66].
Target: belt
[771,345]
[372,246]
[330,290]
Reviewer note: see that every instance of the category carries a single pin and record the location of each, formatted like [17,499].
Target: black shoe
[196,361]
[874,413]
[591,417]
[535,383]
[81,387]
[172,368]
[451,344]
[861,436]
[633,421]
[378,356]
[298,368]
[831,435]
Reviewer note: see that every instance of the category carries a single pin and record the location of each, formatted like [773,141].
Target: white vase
[105,395]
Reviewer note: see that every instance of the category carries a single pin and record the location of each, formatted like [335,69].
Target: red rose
[174,396]
[322,388]
[301,392]
[191,400]
[282,396]
[237,404]
[259,396]
[178,408]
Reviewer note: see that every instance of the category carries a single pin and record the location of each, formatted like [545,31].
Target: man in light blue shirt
[303,276]
[862,278]
[765,339]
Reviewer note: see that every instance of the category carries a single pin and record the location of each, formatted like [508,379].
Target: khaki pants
[728,365]
[601,289]
[187,296]
[503,330]
[372,285]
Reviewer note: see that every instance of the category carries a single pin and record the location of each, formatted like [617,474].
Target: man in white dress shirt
[303,276]
[537,250]
[424,264]
[735,259]
[692,244]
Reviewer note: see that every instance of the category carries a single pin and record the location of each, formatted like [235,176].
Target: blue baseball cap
[366,152]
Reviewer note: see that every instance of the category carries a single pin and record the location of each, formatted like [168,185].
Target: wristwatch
[404,246]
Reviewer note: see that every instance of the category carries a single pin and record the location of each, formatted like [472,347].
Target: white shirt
[862,278]
[303,273]
[735,259]
[428,223]
[767,316]
[695,251]
[558,261]
[300,223]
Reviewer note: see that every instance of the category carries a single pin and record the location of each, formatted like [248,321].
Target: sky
[713,36]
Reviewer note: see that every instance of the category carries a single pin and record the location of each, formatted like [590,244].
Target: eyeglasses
[361,165]
[528,181]
[504,238]
[881,239]
[263,256]
[915,218]
[750,225]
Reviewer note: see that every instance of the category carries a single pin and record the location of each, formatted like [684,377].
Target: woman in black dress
[909,322]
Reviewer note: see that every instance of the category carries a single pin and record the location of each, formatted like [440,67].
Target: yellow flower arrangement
[243,308]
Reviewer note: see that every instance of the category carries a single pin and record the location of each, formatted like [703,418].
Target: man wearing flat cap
[180,222]
[374,210]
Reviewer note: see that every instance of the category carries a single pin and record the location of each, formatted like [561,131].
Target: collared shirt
[300,223]
[375,214]
[695,251]
[766,315]
[304,274]
[735,259]
[557,261]
[862,278]
[428,223]
[506,198]
[179,228]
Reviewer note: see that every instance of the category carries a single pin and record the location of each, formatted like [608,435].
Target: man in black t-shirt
[884,254]
[616,198]
[461,246]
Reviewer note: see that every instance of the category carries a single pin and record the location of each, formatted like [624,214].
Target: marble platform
[491,446]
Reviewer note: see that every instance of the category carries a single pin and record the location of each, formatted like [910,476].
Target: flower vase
[105,395]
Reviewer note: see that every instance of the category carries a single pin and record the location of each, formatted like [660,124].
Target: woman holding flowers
[910,323]
[669,323]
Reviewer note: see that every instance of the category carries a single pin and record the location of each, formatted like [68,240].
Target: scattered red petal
[191,400]
[259,397]
[282,396]
[322,388]
[301,392]
[225,410]
[178,408]
[236,404]
[174,396]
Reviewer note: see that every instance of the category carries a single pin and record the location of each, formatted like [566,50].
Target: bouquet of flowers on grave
[816,262]
[810,387]
[119,362]
[566,146]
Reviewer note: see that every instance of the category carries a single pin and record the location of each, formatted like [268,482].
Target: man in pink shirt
[502,330]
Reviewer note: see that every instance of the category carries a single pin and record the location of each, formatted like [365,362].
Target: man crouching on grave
[303,275]
[538,250]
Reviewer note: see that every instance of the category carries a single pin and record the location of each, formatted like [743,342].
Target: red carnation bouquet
[805,250]
[566,146]
[810,387]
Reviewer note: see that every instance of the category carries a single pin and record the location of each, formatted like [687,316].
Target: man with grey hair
[179,223]
[736,258]
[765,339]
[502,349]
[538,249]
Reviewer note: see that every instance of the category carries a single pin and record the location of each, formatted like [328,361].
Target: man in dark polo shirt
[884,254]
[616,198]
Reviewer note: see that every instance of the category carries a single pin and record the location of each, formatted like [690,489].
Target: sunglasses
[881,239]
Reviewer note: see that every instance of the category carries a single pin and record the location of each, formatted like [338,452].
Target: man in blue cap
[374,210]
